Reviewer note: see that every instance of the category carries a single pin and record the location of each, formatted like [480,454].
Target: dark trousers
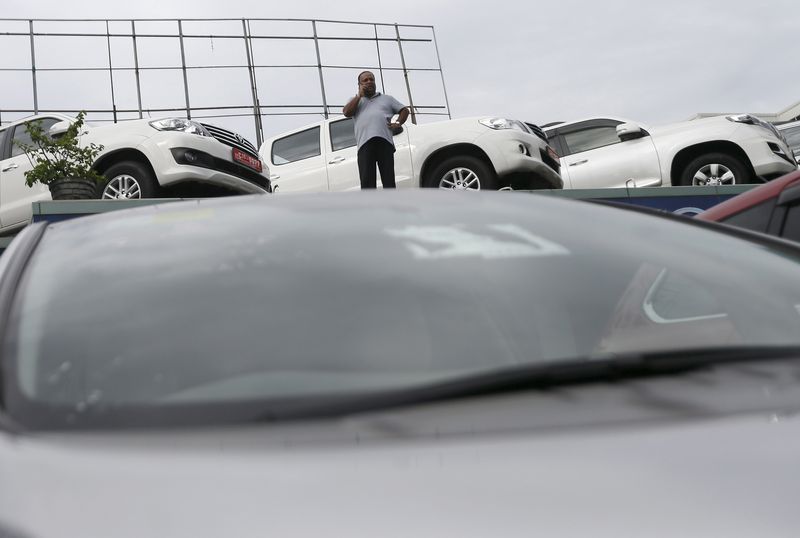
[376,151]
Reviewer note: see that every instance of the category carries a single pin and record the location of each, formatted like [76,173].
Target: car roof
[748,199]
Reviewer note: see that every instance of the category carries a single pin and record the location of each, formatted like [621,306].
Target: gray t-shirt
[372,117]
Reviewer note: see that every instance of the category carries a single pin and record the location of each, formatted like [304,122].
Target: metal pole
[319,68]
[380,66]
[111,72]
[183,67]
[136,68]
[253,88]
[33,72]
[441,73]
[405,74]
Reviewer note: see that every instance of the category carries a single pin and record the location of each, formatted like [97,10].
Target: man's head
[366,80]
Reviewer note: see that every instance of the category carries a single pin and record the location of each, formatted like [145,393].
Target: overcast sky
[556,60]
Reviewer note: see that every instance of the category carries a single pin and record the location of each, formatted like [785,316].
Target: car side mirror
[629,131]
[58,129]
[797,155]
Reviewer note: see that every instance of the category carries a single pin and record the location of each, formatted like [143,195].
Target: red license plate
[246,159]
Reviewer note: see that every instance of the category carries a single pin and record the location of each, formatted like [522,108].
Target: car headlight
[502,123]
[179,124]
[743,118]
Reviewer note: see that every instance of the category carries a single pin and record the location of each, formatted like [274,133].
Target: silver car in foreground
[408,363]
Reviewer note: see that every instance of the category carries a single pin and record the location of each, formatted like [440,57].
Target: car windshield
[251,300]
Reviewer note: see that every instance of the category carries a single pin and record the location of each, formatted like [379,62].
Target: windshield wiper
[531,376]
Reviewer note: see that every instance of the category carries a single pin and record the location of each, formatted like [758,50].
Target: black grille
[535,129]
[234,140]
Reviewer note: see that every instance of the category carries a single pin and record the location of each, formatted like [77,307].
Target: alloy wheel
[122,187]
[460,178]
[714,174]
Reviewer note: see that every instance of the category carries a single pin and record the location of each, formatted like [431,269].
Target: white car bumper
[173,154]
[514,152]
[765,156]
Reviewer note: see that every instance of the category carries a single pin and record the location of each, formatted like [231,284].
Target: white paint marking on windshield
[442,242]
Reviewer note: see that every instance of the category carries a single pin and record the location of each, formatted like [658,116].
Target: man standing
[372,113]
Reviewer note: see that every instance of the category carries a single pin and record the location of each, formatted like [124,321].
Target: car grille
[535,129]
[234,140]
[771,128]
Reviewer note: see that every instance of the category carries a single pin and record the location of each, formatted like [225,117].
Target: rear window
[296,147]
[343,134]
[755,218]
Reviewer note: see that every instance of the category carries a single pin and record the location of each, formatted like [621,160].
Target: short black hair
[361,73]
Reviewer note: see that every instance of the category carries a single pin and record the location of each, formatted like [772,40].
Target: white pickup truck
[466,154]
[140,159]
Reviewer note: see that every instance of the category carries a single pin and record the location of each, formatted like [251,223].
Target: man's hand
[360,90]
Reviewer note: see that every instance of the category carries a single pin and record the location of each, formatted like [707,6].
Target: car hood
[386,475]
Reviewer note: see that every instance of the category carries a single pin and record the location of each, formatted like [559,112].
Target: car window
[296,147]
[343,134]
[2,142]
[791,226]
[591,138]
[753,218]
[793,136]
[21,134]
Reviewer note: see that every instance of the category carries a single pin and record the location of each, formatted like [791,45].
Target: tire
[715,169]
[129,180]
[462,172]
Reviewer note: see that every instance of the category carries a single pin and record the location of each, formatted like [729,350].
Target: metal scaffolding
[129,37]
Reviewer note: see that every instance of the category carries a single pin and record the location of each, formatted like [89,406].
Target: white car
[139,157]
[466,154]
[722,150]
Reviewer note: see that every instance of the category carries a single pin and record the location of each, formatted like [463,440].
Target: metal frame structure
[250,62]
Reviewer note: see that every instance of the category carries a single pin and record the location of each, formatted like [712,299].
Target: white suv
[721,150]
[467,154]
[140,159]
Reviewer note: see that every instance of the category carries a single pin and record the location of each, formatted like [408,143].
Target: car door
[595,157]
[342,157]
[298,163]
[15,195]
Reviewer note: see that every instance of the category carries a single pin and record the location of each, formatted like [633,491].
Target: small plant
[60,158]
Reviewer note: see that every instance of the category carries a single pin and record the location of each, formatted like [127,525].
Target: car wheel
[715,169]
[129,180]
[462,173]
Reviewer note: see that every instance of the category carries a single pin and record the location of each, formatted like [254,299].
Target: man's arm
[402,116]
[351,106]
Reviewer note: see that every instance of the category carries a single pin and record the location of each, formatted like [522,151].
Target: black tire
[704,165]
[129,180]
[462,172]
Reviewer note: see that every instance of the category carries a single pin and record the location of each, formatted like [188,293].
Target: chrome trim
[232,139]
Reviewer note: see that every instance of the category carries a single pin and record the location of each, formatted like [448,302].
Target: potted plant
[61,162]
